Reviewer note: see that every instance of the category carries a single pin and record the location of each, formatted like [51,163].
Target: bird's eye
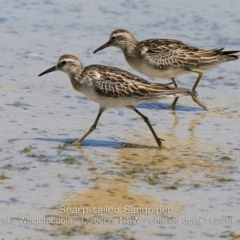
[113,38]
[64,62]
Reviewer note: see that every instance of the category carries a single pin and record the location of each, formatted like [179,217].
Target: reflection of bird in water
[93,169]
[176,120]
[195,122]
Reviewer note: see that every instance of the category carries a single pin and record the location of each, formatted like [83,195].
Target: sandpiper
[113,88]
[166,58]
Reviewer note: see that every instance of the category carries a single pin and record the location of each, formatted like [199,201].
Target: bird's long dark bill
[52,69]
[102,47]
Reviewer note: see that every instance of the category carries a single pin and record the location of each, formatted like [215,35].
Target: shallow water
[196,177]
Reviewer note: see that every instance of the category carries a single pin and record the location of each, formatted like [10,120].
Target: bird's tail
[157,91]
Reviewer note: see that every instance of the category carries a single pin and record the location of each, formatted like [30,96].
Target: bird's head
[119,38]
[68,64]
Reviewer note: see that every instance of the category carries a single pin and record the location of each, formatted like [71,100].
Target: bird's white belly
[149,71]
[111,102]
[105,101]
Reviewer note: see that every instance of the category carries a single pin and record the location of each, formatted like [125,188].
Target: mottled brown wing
[167,54]
[114,82]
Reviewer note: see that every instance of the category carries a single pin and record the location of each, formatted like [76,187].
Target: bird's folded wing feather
[169,54]
[113,82]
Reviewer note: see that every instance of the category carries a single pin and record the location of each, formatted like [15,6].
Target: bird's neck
[130,48]
[75,83]
[76,77]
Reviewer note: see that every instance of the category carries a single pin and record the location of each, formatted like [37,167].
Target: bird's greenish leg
[146,120]
[194,95]
[92,128]
[200,75]
[196,100]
